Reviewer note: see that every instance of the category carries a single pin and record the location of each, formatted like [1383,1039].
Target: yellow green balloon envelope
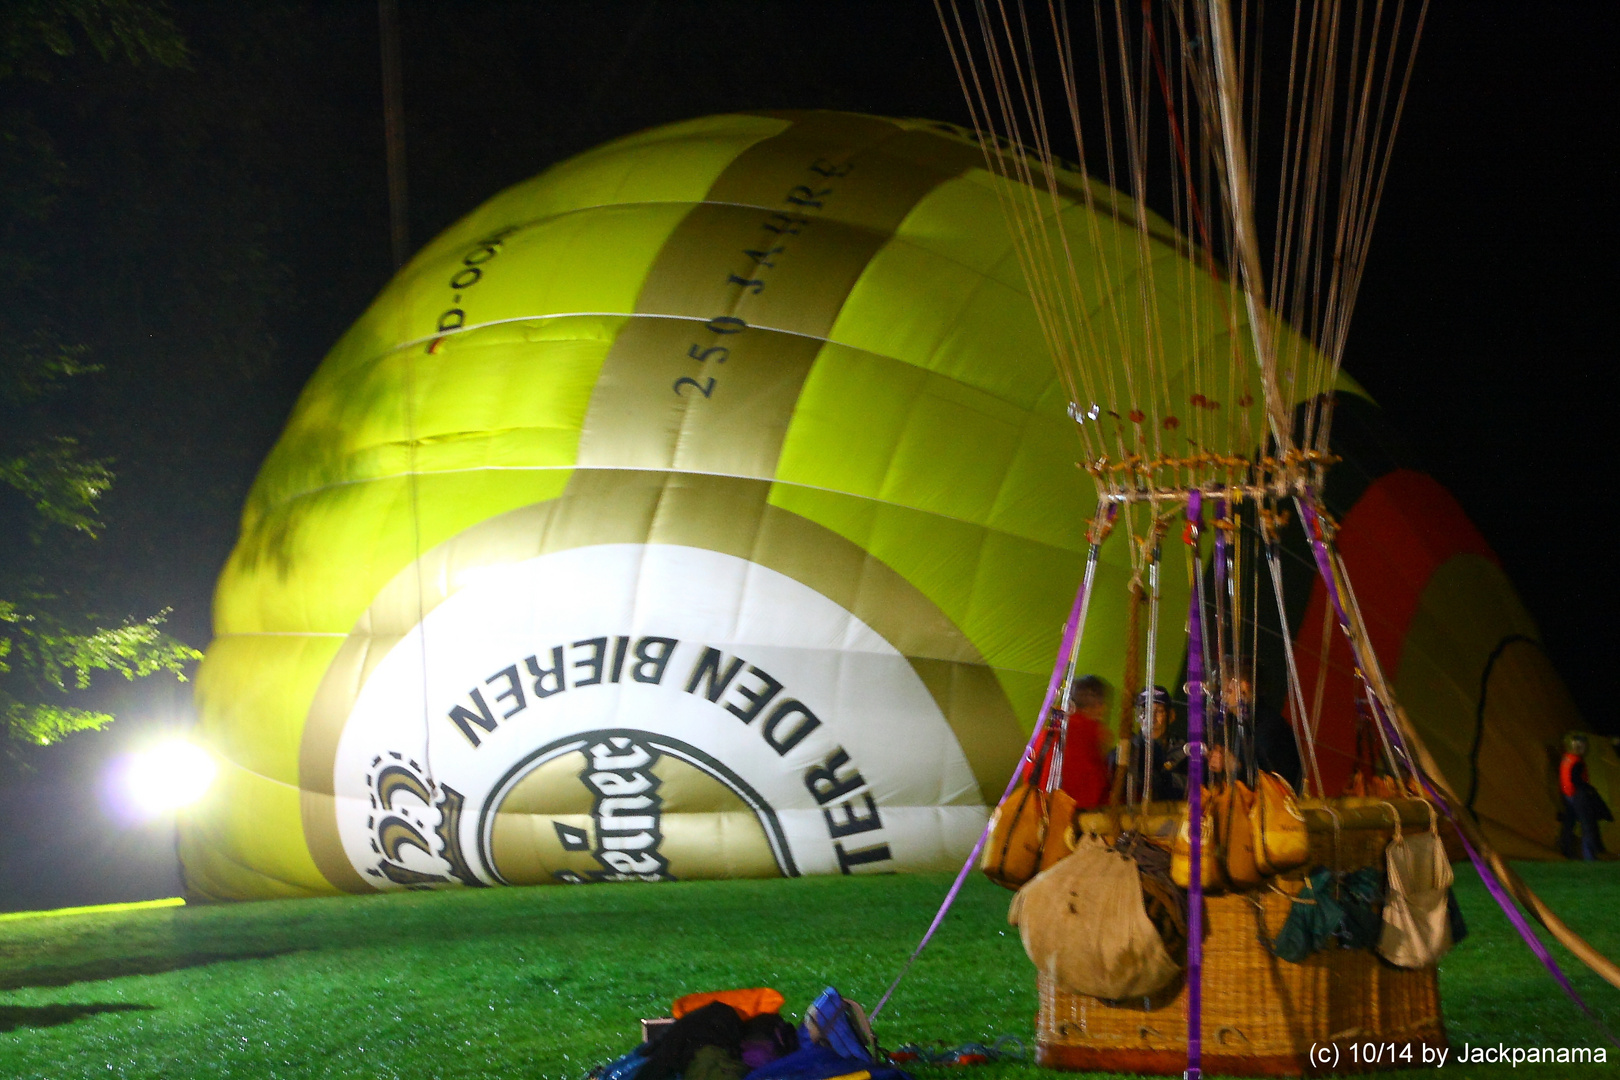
[703,507]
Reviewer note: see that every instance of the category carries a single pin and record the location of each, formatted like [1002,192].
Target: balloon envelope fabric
[703,507]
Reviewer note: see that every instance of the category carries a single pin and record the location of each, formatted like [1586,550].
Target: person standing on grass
[1078,744]
[1583,805]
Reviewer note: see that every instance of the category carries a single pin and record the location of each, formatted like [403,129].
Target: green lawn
[546,982]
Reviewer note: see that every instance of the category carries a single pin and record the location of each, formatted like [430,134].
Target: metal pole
[394,129]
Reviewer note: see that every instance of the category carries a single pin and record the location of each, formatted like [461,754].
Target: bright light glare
[169,776]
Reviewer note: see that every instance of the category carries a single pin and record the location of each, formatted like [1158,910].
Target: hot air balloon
[1424,695]
[707,507]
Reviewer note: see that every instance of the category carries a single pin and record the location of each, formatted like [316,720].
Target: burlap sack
[1083,924]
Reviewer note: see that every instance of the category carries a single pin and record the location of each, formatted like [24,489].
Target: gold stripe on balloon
[746,289]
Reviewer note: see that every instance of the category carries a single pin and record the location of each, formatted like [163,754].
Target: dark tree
[52,638]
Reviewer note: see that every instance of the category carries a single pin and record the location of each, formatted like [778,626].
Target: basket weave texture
[1261,1015]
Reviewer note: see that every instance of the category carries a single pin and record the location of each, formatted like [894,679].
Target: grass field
[547,982]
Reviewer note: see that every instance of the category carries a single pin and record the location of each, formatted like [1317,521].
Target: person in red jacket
[1075,742]
[1583,806]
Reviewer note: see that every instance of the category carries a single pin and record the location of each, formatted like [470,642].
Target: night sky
[227,222]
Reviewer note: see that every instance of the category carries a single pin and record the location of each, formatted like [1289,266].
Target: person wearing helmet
[1155,752]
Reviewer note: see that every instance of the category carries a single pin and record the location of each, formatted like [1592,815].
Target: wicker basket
[1261,1016]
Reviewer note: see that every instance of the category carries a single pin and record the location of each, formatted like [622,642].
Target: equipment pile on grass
[741,1035]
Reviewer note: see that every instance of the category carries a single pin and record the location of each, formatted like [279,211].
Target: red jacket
[1085,770]
[1571,774]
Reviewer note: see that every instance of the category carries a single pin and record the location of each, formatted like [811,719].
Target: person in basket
[1161,756]
[1073,745]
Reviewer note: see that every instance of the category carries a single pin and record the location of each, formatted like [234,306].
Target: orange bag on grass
[755,1001]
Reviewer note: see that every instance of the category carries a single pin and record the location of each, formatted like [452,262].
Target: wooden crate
[1262,1016]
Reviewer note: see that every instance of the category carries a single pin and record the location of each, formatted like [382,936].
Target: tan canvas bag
[1417,931]
[1281,842]
[1234,811]
[1211,858]
[1027,833]
[1083,925]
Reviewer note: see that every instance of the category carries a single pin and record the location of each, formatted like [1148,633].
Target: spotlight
[169,776]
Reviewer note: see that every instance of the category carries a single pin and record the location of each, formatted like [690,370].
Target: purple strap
[1324,566]
[1195,800]
[1071,630]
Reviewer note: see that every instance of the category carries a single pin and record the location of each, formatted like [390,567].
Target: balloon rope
[1319,694]
[399,238]
[1152,663]
[1195,797]
[1240,206]
[1119,789]
[1363,656]
[413,490]
[1225,662]
[1073,633]
[1304,737]
[1372,674]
